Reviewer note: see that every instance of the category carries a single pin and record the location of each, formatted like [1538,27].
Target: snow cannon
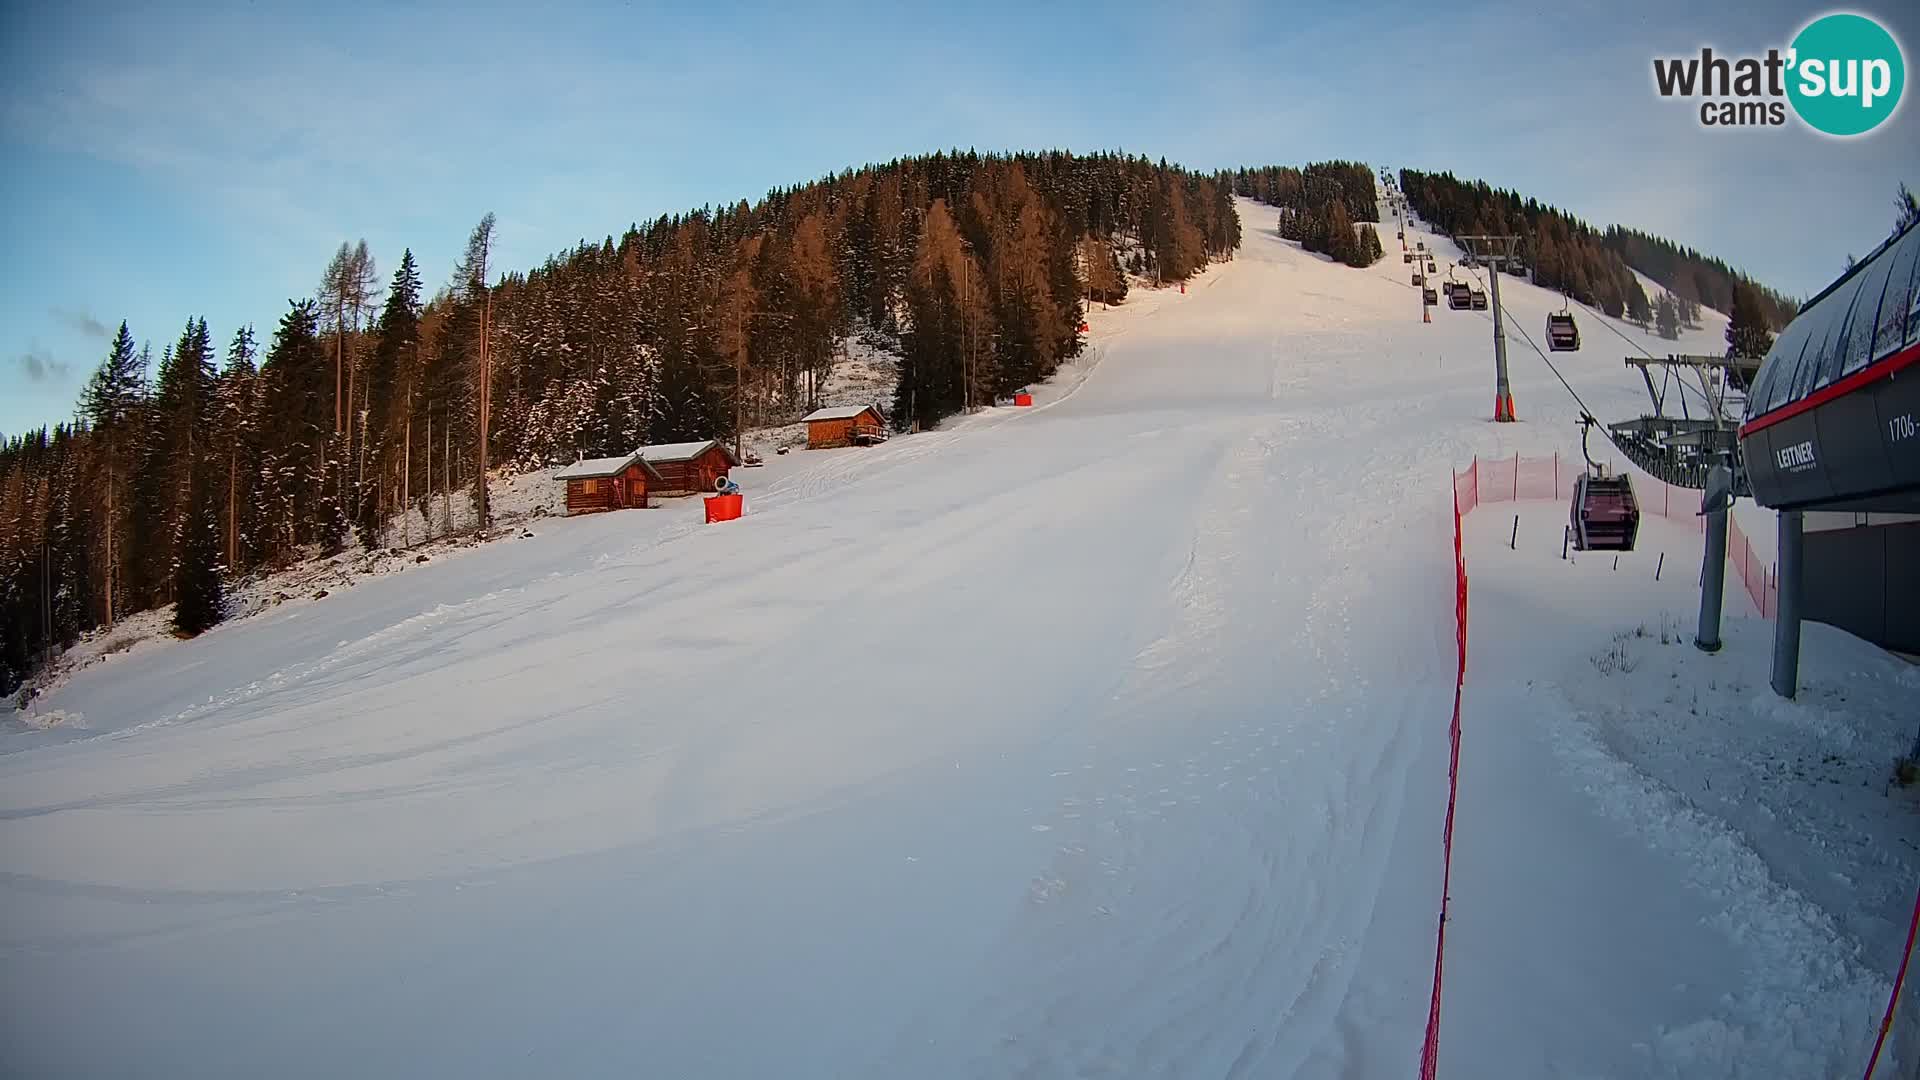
[725,507]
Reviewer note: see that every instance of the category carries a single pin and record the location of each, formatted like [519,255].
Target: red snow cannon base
[724,507]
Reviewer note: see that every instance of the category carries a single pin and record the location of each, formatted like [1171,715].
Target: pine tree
[471,284]
[199,594]
[296,382]
[236,412]
[396,342]
[1747,333]
[111,403]
[1638,309]
[1666,317]
[1906,209]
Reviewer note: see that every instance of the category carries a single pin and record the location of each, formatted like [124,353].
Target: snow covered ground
[1104,737]
[1708,881]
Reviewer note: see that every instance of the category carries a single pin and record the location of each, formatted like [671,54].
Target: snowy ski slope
[1102,738]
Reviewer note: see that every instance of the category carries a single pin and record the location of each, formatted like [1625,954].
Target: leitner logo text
[1796,457]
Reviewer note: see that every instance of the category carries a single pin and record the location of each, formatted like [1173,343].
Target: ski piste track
[1106,738]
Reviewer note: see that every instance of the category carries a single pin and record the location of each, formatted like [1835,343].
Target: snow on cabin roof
[680,451]
[840,412]
[595,468]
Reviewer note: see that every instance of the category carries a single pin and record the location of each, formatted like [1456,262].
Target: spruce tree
[200,598]
[1666,317]
[111,404]
[1638,309]
[396,341]
[236,397]
[1747,333]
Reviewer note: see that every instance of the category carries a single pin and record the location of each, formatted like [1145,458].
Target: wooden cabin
[845,425]
[612,483]
[688,467]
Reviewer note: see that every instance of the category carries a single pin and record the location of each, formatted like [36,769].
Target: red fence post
[1886,1021]
[1430,1045]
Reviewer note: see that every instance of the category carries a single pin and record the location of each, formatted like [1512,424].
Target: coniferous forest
[247,449]
[378,396]
[1327,206]
[1587,264]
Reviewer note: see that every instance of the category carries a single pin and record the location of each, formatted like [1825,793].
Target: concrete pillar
[1713,570]
[1786,624]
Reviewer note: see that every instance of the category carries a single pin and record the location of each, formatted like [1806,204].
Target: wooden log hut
[688,467]
[845,425]
[611,483]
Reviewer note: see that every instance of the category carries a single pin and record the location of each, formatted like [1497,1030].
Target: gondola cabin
[1430,297]
[612,483]
[1604,515]
[1417,279]
[1478,299]
[689,467]
[845,425]
[1406,256]
[1459,296]
[1563,334]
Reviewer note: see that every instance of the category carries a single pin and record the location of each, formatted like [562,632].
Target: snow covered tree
[1666,317]
[471,285]
[1747,333]
[1638,309]
[1100,265]
[396,342]
[111,404]
[200,597]
[236,446]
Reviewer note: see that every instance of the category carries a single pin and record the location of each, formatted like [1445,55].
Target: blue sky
[168,161]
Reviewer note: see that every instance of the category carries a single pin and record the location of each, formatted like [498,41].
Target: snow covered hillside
[1105,737]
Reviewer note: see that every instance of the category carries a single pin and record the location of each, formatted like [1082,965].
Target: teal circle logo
[1845,74]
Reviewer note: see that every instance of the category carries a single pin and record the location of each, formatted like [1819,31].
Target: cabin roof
[672,453]
[596,468]
[840,412]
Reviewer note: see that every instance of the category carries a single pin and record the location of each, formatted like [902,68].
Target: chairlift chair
[1563,334]
[1604,515]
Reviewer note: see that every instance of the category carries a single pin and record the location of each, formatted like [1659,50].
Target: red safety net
[1430,1046]
[1492,480]
[1515,478]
